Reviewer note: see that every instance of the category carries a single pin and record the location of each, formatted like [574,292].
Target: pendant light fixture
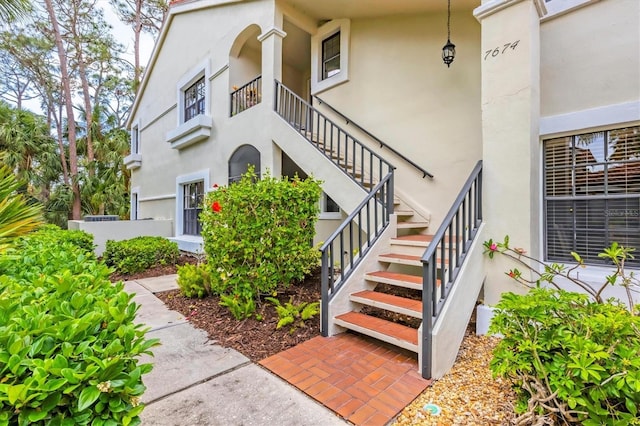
[449,49]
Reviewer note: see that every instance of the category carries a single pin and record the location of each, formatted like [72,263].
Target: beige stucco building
[355,92]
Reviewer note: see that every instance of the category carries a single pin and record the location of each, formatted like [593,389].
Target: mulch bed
[255,339]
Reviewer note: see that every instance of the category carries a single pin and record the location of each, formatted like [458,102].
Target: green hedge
[55,236]
[68,342]
[140,253]
[258,237]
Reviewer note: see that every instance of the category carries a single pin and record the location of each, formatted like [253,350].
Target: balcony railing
[246,96]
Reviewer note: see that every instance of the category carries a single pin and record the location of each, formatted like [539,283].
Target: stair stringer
[340,302]
[449,329]
[340,187]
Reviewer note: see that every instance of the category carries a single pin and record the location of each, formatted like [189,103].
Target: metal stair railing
[446,252]
[343,251]
[356,160]
[413,164]
[350,243]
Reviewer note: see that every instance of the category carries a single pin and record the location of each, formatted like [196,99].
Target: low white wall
[122,230]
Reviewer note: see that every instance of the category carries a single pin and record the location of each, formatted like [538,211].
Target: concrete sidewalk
[197,382]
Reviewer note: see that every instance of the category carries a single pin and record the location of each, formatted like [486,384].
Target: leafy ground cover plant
[257,236]
[574,358]
[68,343]
[140,253]
[292,314]
[194,280]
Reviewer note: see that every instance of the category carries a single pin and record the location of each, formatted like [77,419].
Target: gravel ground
[468,394]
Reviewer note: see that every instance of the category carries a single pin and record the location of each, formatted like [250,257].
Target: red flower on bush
[216,207]
[512,274]
[493,247]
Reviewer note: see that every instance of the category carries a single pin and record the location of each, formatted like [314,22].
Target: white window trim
[557,8]
[325,215]
[134,206]
[200,175]
[134,159]
[195,130]
[594,118]
[135,130]
[203,69]
[330,28]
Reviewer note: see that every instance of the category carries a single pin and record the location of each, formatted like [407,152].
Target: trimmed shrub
[572,360]
[68,342]
[258,236]
[54,235]
[140,253]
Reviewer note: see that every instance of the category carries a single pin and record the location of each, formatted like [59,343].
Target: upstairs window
[194,99]
[135,140]
[592,194]
[331,55]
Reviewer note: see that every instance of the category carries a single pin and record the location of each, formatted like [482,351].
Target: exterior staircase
[394,290]
[385,272]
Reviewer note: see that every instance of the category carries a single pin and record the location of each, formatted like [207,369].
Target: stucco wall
[181,54]
[400,90]
[589,57]
[122,230]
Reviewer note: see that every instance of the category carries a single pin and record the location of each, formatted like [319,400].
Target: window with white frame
[592,194]
[329,209]
[330,55]
[134,207]
[135,139]
[194,99]
[192,197]
[194,121]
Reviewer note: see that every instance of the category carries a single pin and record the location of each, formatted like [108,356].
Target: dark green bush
[194,280]
[54,235]
[68,343]
[257,236]
[572,360]
[140,253]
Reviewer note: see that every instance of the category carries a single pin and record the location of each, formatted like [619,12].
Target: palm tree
[17,217]
[13,9]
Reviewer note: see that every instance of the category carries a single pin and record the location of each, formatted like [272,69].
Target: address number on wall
[500,50]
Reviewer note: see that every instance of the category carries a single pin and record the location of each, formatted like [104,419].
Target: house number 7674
[492,53]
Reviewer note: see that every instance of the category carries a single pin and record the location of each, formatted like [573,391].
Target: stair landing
[363,380]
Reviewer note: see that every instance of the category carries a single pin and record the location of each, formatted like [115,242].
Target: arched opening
[245,69]
[241,159]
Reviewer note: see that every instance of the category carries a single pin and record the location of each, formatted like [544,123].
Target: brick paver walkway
[363,380]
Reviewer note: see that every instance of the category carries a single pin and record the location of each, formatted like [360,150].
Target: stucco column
[510,130]
[271,41]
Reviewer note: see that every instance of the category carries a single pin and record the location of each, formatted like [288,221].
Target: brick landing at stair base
[363,380]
